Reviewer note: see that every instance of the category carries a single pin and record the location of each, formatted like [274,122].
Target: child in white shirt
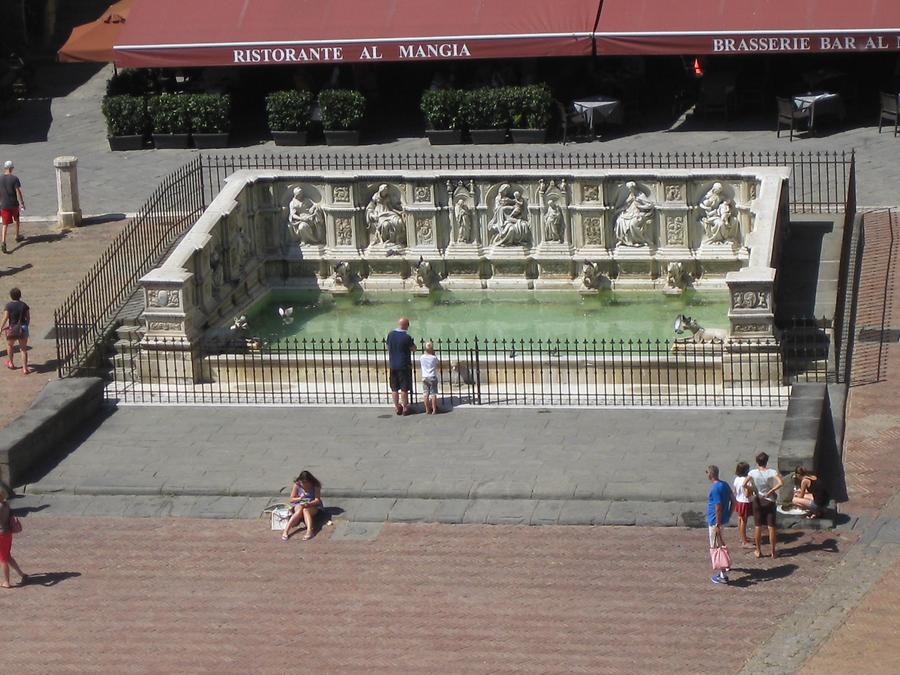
[742,503]
[429,364]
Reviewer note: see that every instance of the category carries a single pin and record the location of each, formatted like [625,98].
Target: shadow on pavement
[25,510]
[829,545]
[49,578]
[30,123]
[105,218]
[760,575]
[15,270]
[42,239]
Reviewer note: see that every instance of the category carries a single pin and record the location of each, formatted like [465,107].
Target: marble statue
[677,277]
[699,334]
[720,226]
[635,220]
[426,275]
[553,221]
[509,224]
[592,277]
[462,213]
[306,219]
[342,274]
[384,219]
[218,269]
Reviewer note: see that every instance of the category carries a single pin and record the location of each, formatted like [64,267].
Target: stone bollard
[69,213]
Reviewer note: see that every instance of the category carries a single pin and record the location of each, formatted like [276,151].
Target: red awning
[94,41]
[251,32]
[747,27]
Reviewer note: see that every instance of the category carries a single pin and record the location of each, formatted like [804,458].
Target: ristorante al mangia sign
[352,52]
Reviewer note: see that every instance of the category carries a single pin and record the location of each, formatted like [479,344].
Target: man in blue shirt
[400,348]
[718,512]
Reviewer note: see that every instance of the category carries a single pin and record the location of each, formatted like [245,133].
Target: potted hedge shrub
[288,114]
[443,110]
[487,115]
[210,116]
[170,120]
[529,110]
[342,114]
[126,121]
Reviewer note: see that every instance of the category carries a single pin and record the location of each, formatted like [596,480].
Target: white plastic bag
[280,517]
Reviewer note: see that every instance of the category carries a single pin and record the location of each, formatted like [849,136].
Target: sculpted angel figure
[385,221]
[306,219]
[635,219]
[719,223]
[463,215]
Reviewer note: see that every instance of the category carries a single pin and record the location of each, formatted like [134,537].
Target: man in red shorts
[11,200]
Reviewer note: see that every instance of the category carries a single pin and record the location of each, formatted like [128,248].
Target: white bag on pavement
[280,516]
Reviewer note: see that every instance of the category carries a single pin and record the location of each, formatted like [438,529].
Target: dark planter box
[289,137]
[208,141]
[342,138]
[488,136]
[444,136]
[528,135]
[171,141]
[119,143]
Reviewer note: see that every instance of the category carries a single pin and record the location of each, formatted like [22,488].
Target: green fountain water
[487,314]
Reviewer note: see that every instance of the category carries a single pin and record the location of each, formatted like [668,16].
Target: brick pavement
[60,120]
[46,267]
[163,595]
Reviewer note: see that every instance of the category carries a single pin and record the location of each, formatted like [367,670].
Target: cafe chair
[889,110]
[790,116]
[569,117]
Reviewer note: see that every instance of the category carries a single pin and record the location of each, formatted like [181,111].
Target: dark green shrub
[529,106]
[443,108]
[125,115]
[209,113]
[288,110]
[486,108]
[133,82]
[170,113]
[342,109]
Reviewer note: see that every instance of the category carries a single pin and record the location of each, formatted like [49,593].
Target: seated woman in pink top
[306,502]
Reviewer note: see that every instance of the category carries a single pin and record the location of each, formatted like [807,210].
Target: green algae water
[488,314]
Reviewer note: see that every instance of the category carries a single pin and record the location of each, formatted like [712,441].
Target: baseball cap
[7,164]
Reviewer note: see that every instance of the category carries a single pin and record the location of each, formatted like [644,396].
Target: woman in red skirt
[743,503]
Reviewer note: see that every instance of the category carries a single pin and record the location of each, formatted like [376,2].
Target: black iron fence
[820,182]
[472,371]
[82,321]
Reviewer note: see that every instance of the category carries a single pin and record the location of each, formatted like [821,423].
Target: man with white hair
[11,200]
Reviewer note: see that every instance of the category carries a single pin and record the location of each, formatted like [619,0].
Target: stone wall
[578,229]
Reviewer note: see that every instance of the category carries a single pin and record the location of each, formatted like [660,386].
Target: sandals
[308,536]
[284,537]
[9,364]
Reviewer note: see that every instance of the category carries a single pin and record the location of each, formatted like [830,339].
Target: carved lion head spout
[427,276]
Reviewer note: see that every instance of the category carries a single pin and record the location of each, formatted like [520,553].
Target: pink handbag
[721,559]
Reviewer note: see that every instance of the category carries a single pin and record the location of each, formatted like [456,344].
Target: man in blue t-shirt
[718,513]
[400,348]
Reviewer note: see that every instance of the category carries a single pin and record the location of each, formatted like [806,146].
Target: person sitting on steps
[306,502]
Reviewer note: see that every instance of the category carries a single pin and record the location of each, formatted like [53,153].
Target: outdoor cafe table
[605,108]
[823,103]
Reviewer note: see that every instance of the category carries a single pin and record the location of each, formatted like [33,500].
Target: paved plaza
[148,552]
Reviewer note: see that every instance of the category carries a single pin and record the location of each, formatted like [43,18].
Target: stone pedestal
[69,210]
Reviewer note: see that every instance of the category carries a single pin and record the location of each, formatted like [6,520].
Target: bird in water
[287,315]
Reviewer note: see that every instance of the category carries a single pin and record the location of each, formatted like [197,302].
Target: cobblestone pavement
[65,121]
[46,267]
[167,595]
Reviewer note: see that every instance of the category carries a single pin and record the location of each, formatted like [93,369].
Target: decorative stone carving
[163,298]
[306,219]
[590,193]
[240,250]
[165,326]
[750,300]
[699,334]
[342,275]
[463,212]
[752,328]
[673,192]
[509,222]
[592,228]
[427,276]
[752,192]
[384,217]
[424,231]
[341,194]
[720,225]
[634,222]
[675,230]
[422,193]
[217,269]
[343,228]
[677,277]
[592,277]
[550,198]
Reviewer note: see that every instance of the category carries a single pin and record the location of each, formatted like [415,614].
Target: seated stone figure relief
[634,222]
[509,223]
[384,218]
[306,219]
[720,225]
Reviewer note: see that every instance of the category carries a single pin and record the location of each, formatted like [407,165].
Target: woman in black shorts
[16,317]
